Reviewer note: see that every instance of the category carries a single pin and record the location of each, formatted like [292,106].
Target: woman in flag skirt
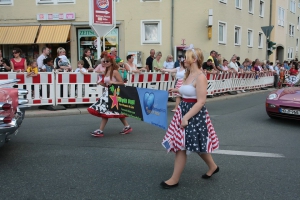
[180,71]
[191,129]
[100,108]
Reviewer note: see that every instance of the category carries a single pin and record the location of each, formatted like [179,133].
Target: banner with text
[140,103]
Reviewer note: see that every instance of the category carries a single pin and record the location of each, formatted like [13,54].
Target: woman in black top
[86,57]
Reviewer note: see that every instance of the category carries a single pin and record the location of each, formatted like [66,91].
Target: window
[250,38]
[299,4]
[293,6]
[223,1]
[280,16]
[238,4]
[6,2]
[290,52]
[291,30]
[260,40]
[261,8]
[151,32]
[54,1]
[222,33]
[251,6]
[237,35]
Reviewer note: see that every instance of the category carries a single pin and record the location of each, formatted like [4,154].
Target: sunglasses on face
[106,61]
[15,52]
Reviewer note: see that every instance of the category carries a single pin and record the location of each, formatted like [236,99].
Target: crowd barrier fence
[64,88]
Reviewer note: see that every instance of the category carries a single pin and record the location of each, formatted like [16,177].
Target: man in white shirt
[233,65]
[45,54]
[271,68]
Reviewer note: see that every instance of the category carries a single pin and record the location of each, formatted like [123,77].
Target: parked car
[284,103]
[12,109]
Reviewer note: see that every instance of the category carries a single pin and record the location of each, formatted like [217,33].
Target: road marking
[249,153]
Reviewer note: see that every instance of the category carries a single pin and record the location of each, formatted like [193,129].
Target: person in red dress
[294,70]
[17,63]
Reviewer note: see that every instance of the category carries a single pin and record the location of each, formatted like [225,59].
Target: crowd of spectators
[215,64]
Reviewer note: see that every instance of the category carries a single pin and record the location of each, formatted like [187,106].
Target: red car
[284,103]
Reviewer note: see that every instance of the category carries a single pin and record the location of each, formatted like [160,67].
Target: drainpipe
[270,24]
[172,27]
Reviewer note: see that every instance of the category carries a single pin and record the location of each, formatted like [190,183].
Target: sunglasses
[106,61]
[15,52]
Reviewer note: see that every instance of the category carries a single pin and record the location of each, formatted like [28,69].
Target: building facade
[234,27]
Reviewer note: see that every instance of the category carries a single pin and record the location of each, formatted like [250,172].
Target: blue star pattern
[196,132]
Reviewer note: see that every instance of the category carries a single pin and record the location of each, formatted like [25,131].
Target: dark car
[284,103]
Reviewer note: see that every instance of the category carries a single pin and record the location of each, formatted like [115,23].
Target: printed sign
[103,12]
[55,16]
[140,103]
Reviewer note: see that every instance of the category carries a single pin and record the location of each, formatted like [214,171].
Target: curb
[83,110]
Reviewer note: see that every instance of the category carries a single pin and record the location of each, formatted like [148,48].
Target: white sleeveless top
[180,74]
[188,91]
[131,68]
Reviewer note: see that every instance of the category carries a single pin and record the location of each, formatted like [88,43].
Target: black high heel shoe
[166,186]
[205,176]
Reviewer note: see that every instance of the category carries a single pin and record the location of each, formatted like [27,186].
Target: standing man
[150,60]
[177,63]
[114,52]
[44,55]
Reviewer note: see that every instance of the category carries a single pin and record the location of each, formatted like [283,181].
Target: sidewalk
[82,109]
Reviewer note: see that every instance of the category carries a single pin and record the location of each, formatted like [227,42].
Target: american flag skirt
[198,136]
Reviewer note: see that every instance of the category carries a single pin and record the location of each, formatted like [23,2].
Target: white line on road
[248,153]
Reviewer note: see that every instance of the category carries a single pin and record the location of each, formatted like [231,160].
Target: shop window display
[88,39]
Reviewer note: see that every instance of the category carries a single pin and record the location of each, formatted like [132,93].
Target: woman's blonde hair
[191,55]
[158,53]
[169,56]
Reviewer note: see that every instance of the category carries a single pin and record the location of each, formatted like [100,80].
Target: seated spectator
[48,65]
[86,58]
[80,67]
[100,67]
[225,66]
[4,65]
[271,68]
[293,71]
[157,63]
[208,65]
[122,70]
[220,63]
[233,65]
[59,64]
[131,67]
[169,63]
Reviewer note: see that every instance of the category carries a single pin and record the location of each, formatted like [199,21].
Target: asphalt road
[56,158]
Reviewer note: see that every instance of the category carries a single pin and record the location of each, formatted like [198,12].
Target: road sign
[267,30]
[102,16]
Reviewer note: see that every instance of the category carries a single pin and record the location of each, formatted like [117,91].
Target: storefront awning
[53,34]
[3,31]
[19,35]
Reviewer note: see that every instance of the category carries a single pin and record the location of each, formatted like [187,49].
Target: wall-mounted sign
[55,16]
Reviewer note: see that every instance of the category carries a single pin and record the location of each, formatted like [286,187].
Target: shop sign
[86,43]
[56,16]
[103,12]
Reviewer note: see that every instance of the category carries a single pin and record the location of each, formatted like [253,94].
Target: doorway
[280,54]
